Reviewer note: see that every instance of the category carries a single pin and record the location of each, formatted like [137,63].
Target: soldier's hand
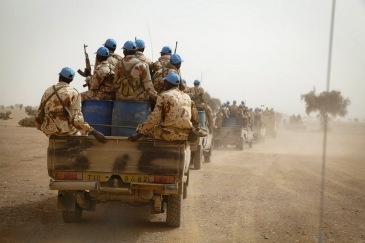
[99,136]
[135,137]
[87,72]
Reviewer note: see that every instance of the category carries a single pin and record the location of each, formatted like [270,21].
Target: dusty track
[266,194]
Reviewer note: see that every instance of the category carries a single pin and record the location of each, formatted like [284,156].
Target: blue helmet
[176,59]
[110,43]
[242,102]
[224,104]
[129,46]
[184,81]
[250,109]
[240,106]
[140,44]
[196,81]
[67,72]
[103,51]
[173,78]
[166,50]
[228,102]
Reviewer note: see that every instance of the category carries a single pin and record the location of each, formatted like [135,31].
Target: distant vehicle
[294,124]
[270,125]
[233,133]
[202,148]
[259,129]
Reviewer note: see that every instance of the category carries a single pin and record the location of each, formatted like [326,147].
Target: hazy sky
[266,52]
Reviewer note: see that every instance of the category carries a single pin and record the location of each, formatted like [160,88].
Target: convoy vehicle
[147,172]
[270,125]
[202,148]
[232,132]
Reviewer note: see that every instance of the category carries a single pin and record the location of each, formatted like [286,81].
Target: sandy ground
[269,193]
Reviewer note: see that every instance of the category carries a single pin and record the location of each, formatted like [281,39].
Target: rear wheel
[198,157]
[207,156]
[72,216]
[174,212]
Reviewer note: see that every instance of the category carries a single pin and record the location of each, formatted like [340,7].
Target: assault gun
[88,66]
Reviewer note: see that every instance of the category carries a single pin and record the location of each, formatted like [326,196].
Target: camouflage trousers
[219,120]
[97,95]
[168,134]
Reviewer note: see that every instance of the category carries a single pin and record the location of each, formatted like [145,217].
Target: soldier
[162,61]
[172,66]
[198,96]
[233,109]
[272,112]
[266,112]
[173,116]
[100,84]
[139,54]
[132,77]
[59,112]
[113,58]
[228,106]
[221,115]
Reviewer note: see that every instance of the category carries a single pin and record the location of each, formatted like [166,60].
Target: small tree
[326,104]
[11,107]
[2,107]
[214,103]
[29,110]
[21,106]
[356,120]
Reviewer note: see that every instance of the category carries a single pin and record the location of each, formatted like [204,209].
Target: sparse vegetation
[5,115]
[27,122]
[356,120]
[214,103]
[21,106]
[30,111]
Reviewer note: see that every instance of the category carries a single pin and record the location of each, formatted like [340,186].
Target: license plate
[95,177]
[128,178]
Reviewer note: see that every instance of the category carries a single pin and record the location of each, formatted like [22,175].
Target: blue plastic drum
[127,115]
[201,118]
[98,112]
[230,122]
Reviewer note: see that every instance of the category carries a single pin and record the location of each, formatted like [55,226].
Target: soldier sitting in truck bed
[173,116]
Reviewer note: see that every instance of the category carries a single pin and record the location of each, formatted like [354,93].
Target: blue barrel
[98,112]
[127,115]
[230,121]
[201,118]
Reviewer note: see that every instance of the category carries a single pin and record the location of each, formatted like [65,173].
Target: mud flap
[66,200]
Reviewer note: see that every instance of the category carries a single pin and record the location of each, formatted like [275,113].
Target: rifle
[175,48]
[88,66]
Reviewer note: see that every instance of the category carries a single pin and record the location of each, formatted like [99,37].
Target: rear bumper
[95,185]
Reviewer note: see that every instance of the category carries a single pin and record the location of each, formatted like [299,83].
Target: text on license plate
[135,178]
[95,177]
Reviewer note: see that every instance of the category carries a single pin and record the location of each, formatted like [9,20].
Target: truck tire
[207,157]
[72,216]
[198,158]
[185,191]
[174,210]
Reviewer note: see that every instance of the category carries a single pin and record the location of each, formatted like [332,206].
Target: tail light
[162,179]
[69,175]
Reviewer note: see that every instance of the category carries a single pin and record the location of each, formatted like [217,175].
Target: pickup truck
[231,133]
[147,172]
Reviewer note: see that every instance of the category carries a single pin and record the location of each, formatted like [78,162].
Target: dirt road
[266,194]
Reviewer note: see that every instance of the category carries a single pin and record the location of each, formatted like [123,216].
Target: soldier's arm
[194,113]
[77,119]
[153,119]
[146,81]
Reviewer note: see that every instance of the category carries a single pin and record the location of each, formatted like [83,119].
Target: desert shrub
[27,122]
[30,111]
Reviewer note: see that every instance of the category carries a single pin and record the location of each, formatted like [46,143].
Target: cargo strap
[65,109]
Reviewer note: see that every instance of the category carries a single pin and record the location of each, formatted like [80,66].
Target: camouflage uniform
[136,83]
[112,60]
[101,83]
[158,83]
[172,118]
[160,63]
[56,122]
[198,96]
[221,114]
[144,59]
[233,110]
